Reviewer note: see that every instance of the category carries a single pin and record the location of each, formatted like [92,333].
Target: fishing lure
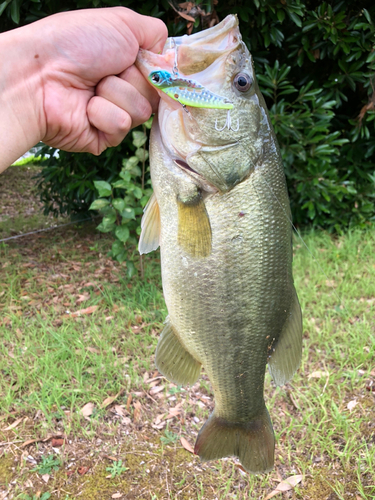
[187,92]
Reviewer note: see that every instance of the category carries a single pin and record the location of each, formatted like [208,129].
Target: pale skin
[69,81]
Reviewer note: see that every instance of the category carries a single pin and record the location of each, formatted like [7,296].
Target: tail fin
[252,442]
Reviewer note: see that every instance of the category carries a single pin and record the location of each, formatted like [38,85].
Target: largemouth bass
[220,212]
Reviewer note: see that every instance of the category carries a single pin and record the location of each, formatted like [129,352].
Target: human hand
[86,92]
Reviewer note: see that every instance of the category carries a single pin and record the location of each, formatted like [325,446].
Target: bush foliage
[315,63]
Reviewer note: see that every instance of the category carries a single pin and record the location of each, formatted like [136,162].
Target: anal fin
[173,360]
[286,357]
[150,235]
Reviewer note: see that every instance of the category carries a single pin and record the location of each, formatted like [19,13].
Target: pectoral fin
[173,360]
[286,358]
[150,235]
[194,229]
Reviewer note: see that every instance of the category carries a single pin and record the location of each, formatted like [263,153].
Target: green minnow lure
[187,92]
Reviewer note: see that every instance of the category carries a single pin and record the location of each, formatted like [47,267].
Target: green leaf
[103,187]
[131,269]
[138,192]
[126,175]
[281,15]
[103,228]
[148,124]
[367,15]
[129,163]
[121,184]
[122,233]
[99,204]
[128,213]
[139,138]
[295,18]
[118,204]
[15,11]
[109,218]
[142,154]
[3,6]
[121,256]
[117,247]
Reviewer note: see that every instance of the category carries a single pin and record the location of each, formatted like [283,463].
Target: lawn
[84,413]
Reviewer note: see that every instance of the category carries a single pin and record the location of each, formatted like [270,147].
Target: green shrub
[315,62]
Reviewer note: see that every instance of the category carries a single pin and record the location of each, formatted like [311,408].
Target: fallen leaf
[82,470]
[110,458]
[154,383]
[14,425]
[87,410]
[110,400]
[318,374]
[88,310]
[117,495]
[242,470]
[120,410]
[285,485]
[155,390]
[128,402]
[352,404]
[137,411]
[46,477]
[185,443]
[31,441]
[56,442]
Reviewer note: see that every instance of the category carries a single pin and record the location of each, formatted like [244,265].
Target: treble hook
[228,124]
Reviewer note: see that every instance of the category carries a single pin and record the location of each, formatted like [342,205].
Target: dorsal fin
[150,234]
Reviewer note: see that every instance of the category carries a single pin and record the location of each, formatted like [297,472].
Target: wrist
[21,95]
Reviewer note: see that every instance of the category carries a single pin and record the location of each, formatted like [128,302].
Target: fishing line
[303,241]
[46,229]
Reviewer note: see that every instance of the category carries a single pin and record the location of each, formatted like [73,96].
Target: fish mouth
[194,54]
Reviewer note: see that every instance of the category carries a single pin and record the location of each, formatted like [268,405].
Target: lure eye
[155,78]
[242,82]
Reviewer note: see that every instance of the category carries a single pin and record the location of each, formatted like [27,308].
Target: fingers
[127,97]
[133,76]
[150,32]
[108,118]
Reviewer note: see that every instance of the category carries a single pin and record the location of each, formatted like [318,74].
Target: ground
[85,414]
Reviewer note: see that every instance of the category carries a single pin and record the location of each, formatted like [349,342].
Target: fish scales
[226,247]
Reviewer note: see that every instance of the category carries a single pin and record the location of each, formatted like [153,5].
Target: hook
[228,124]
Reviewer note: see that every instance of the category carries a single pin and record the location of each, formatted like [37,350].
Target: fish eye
[242,82]
[155,78]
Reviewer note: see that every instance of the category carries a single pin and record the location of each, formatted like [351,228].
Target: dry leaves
[185,443]
[88,310]
[14,425]
[352,404]
[285,485]
[87,410]
[110,399]
[137,411]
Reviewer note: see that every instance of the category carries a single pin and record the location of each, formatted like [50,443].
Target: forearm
[21,95]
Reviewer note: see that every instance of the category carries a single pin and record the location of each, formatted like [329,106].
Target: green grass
[52,364]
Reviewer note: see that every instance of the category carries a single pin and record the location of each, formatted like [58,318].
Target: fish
[220,213]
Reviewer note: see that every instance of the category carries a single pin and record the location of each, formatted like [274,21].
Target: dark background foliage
[315,63]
